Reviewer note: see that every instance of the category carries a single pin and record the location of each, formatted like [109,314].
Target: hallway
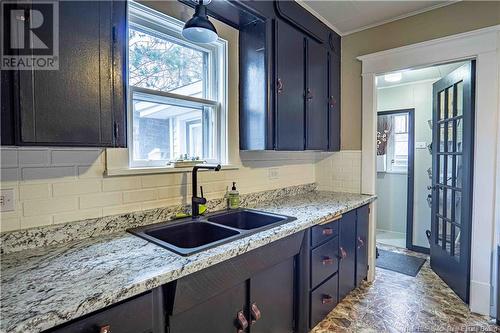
[399,303]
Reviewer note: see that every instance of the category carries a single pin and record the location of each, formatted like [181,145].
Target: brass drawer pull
[327,261]
[326,299]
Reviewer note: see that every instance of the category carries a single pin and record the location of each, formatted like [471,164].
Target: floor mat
[400,263]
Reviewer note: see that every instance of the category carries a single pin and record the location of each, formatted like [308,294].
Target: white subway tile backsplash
[10,175]
[340,172]
[35,157]
[48,174]
[9,224]
[100,200]
[76,156]
[34,191]
[35,221]
[140,196]
[50,206]
[77,187]
[8,158]
[121,184]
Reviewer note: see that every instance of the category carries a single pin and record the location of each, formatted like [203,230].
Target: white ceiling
[420,74]
[348,16]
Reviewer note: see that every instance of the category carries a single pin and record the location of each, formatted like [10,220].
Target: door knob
[327,261]
[279,85]
[105,329]
[327,231]
[255,312]
[242,322]
[327,299]
[343,253]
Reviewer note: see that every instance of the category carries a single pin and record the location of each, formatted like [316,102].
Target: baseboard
[480,297]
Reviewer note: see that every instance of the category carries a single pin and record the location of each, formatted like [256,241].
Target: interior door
[452,156]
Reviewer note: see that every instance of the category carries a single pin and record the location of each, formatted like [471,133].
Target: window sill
[156,170]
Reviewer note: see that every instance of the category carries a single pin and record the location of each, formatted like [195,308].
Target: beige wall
[460,17]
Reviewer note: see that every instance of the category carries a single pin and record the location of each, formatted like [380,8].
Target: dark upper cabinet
[289,87]
[347,253]
[82,103]
[289,80]
[316,96]
[361,244]
[333,101]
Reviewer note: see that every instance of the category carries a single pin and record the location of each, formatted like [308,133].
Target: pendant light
[199,29]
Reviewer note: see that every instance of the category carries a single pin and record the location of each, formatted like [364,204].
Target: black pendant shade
[199,29]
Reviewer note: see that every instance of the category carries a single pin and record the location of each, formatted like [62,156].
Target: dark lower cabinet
[324,299]
[254,292]
[347,253]
[272,295]
[140,314]
[218,314]
[361,244]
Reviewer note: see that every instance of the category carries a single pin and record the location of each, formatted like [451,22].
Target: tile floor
[399,303]
[391,238]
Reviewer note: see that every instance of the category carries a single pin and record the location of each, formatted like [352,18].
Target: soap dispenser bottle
[233,197]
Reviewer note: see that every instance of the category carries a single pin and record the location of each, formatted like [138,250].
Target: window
[398,144]
[392,142]
[176,92]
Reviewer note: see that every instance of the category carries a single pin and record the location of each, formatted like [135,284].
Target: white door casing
[482,45]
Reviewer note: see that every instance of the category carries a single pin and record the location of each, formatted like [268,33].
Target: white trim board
[482,45]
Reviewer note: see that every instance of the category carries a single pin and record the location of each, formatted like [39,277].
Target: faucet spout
[195,200]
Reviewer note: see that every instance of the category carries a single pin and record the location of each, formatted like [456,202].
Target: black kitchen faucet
[195,200]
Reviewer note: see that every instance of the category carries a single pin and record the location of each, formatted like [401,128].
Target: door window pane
[441,113]
[158,62]
[441,137]
[449,91]
[441,175]
[457,241]
[460,102]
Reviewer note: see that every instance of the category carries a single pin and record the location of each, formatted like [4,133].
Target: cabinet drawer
[323,300]
[324,261]
[321,233]
[135,315]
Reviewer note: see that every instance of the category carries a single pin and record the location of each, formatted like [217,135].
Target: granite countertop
[45,287]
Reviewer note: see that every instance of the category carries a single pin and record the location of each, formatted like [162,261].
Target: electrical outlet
[7,200]
[274,173]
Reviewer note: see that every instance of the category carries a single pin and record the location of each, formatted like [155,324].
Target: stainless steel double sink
[189,236]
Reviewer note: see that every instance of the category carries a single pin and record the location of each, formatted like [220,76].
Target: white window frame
[156,23]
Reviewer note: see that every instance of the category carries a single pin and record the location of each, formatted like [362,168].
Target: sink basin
[186,238]
[247,219]
[189,236]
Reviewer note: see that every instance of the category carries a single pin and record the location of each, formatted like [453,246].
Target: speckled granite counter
[44,287]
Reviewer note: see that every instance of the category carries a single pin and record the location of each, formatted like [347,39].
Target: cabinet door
[316,96]
[289,65]
[74,105]
[137,315]
[361,244]
[334,102]
[347,252]
[272,294]
[218,314]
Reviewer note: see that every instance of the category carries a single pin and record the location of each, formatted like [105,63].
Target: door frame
[483,46]
[410,176]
